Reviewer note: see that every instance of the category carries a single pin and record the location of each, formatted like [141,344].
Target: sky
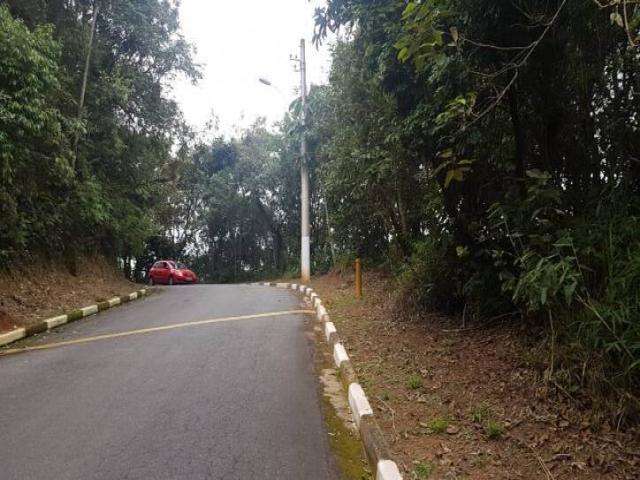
[239,42]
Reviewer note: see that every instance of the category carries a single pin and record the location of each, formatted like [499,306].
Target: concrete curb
[72,316]
[372,437]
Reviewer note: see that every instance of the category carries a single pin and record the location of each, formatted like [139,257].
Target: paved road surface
[230,400]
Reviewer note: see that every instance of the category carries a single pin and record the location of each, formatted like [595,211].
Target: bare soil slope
[40,291]
[466,404]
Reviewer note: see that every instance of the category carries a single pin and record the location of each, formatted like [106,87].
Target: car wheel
[170,280]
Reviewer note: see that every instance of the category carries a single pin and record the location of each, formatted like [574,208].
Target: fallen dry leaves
[39,291]
[460,404]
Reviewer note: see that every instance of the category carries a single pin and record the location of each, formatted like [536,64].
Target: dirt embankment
[48,289]
[467,404]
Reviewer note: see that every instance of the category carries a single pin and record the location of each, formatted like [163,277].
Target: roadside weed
[439,424]
[494,429]
[480,412]
[414,382]
[423,469]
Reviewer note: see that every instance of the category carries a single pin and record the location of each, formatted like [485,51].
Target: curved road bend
[230,400]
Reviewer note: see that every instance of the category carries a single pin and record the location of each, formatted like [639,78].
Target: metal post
[305,250]
[358,278]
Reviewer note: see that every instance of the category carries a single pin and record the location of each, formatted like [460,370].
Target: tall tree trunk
[275,231]
[85,77]
[517,130]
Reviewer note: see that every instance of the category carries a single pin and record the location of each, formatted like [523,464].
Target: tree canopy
[75,181]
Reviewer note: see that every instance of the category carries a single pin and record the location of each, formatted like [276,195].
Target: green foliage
[233,214]
[438,424]
[34,153]
[71,184]
[488,150]
[423,469]
[494,429]
[414,382]
[480,413]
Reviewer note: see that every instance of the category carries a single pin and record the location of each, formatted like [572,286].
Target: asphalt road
[230,400]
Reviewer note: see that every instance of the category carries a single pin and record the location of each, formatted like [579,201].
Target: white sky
[239,42]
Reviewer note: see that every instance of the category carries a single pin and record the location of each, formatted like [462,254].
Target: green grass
[480,413]
[414,382]
[438,424]
[423,469]
[494,429]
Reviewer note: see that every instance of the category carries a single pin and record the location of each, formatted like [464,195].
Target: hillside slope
[472,402]
[47,289]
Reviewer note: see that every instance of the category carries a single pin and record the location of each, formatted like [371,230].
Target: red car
[170,272]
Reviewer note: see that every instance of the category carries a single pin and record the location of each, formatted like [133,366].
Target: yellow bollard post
[358,278]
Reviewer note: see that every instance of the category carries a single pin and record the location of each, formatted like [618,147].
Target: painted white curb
[358,402]
[12,336]
[339,354]
[56,321]
[329,328]
[90,310]
[50,323]
[114,301]
[321,311]
[388,470]
[282,285]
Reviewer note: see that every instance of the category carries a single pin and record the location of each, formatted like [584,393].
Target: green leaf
[449,178]
[409,9]
[617,18]
[403,54]
[454,34]
[538,174]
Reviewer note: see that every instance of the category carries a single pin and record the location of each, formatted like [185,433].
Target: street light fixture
[305,240]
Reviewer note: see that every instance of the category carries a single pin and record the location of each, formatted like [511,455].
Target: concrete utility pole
[305,250]
[305,244]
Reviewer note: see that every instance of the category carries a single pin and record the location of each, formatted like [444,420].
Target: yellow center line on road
[129,333]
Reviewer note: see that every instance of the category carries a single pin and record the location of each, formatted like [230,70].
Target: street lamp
[305,241]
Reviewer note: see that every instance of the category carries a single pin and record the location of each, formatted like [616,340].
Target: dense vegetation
[81,172]
[489,150]
[485,152]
